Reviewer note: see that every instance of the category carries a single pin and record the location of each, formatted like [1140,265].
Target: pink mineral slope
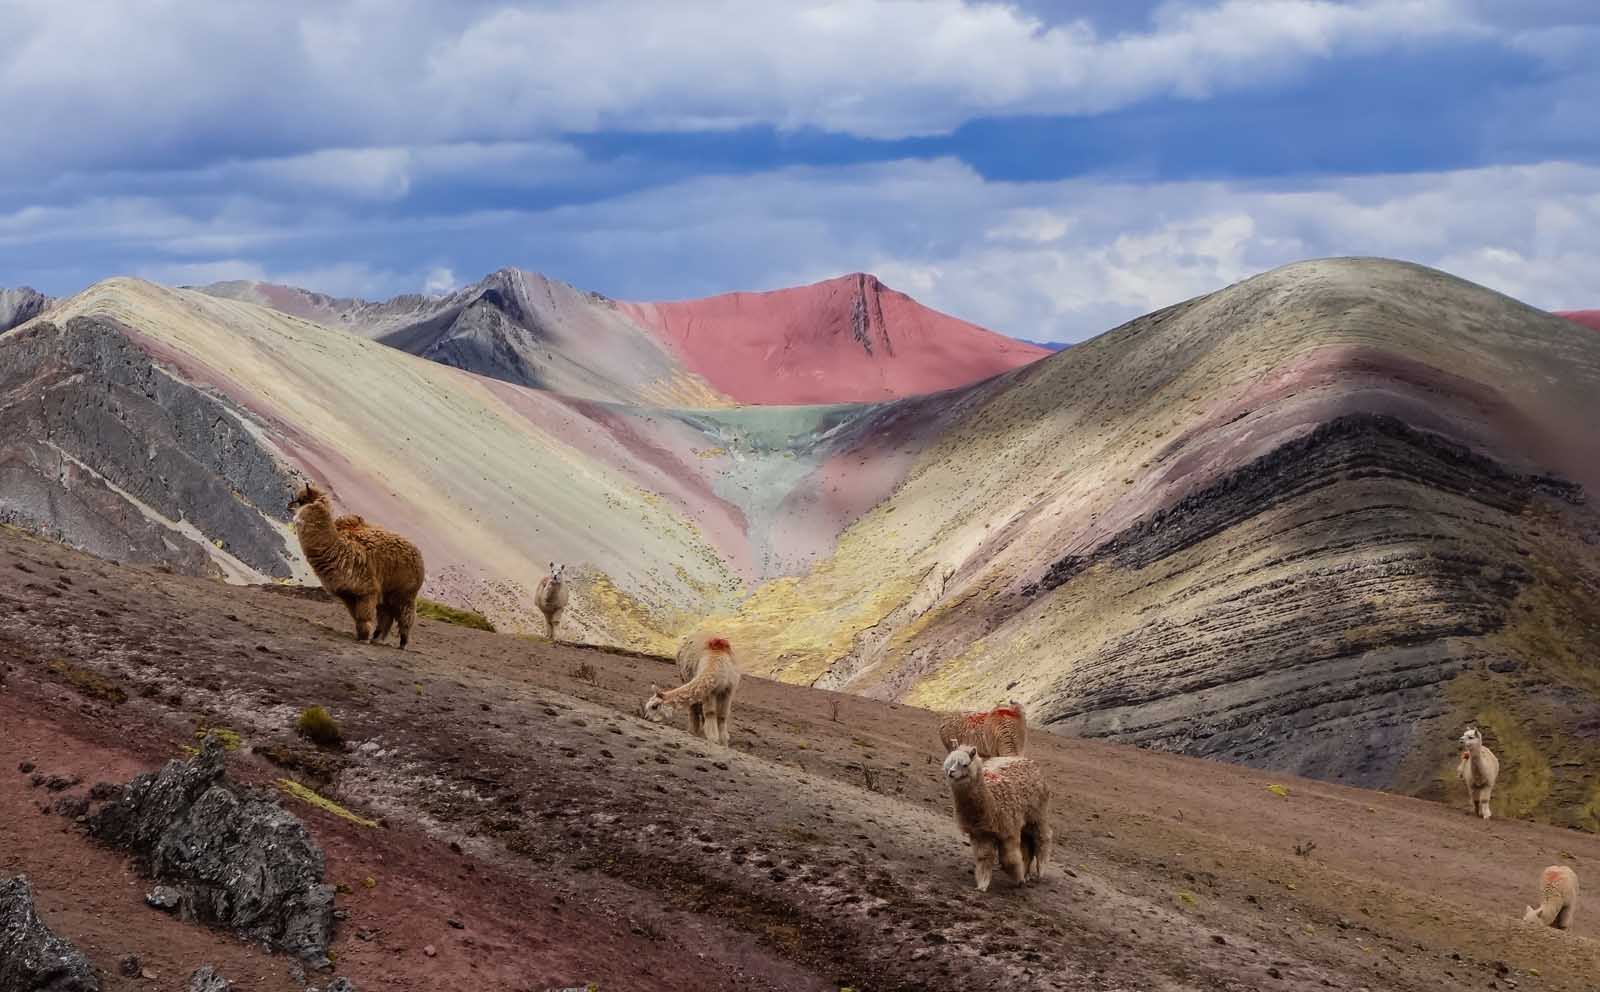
[1588,318]
[845,340]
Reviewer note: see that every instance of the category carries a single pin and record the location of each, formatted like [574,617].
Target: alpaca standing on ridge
[374,572]
[1479,768]
[551,598]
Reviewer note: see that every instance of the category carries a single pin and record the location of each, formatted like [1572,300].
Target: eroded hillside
[1316,521]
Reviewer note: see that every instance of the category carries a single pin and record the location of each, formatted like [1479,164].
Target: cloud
[103,84]
[440,281]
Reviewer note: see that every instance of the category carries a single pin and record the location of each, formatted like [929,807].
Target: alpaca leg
[366,611]
[1045,842]
[555,621]
[724,711]
[407,617]
[1484,800]
[1563,919]
[713,729]
[697,719]
[1011,858]
[983,852]
[385,621]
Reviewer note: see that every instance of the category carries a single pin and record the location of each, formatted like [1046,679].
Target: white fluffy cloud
[105,84]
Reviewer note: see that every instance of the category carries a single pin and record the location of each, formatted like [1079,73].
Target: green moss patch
[450,614]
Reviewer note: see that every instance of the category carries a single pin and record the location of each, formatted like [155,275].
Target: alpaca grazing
[374,572]
[710,679]
[1478,769]
[1003,806]
[1558,898]
[996,733]
[552,598]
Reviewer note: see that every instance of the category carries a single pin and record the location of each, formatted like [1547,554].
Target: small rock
[102,791]
[919,954]
[60,783]
[25,767]
[129,966]
[429,951]
[1218,938]
[72,807]
[456,924]
[147,974]
[164,898]
[206,979]
[341,985]
[455,848]
[1274,973]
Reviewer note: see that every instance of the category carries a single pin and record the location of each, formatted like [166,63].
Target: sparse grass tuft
[833,709]
[305,795]
[1304,848]
[88,681]
[318,726]
[229,739]
[444,613]
[1281,791]
[585,672]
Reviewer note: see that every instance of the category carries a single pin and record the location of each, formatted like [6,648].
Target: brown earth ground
[520,796]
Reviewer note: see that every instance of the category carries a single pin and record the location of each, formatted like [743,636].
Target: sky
[1048,169]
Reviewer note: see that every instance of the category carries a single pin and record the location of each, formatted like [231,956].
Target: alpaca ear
[655,690]
[972,751]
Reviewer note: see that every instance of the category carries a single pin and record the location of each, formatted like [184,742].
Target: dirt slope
[597,847]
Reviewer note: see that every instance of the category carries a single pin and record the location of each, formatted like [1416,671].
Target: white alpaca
[1003,806]
[710,679]
[1478,769]
[552,598]
[1558,898]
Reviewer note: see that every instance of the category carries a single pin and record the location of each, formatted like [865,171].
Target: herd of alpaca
[1001,798]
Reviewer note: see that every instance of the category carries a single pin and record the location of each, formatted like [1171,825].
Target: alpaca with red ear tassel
[705,663]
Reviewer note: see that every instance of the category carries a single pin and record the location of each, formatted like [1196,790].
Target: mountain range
[1313,521]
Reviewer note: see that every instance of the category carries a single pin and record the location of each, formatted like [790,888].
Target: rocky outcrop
[32,958]
[235,861]
[109,452]
[18,306]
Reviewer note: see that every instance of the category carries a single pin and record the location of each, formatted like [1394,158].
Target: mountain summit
[844,340]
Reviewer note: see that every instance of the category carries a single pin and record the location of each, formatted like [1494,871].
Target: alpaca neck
[970,799]
[314,524]
[693,691]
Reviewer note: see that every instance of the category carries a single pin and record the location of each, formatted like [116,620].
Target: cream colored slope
[489,479]
[1054,458]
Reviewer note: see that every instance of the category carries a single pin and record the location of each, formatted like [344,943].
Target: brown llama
[551,598]
[374,572]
